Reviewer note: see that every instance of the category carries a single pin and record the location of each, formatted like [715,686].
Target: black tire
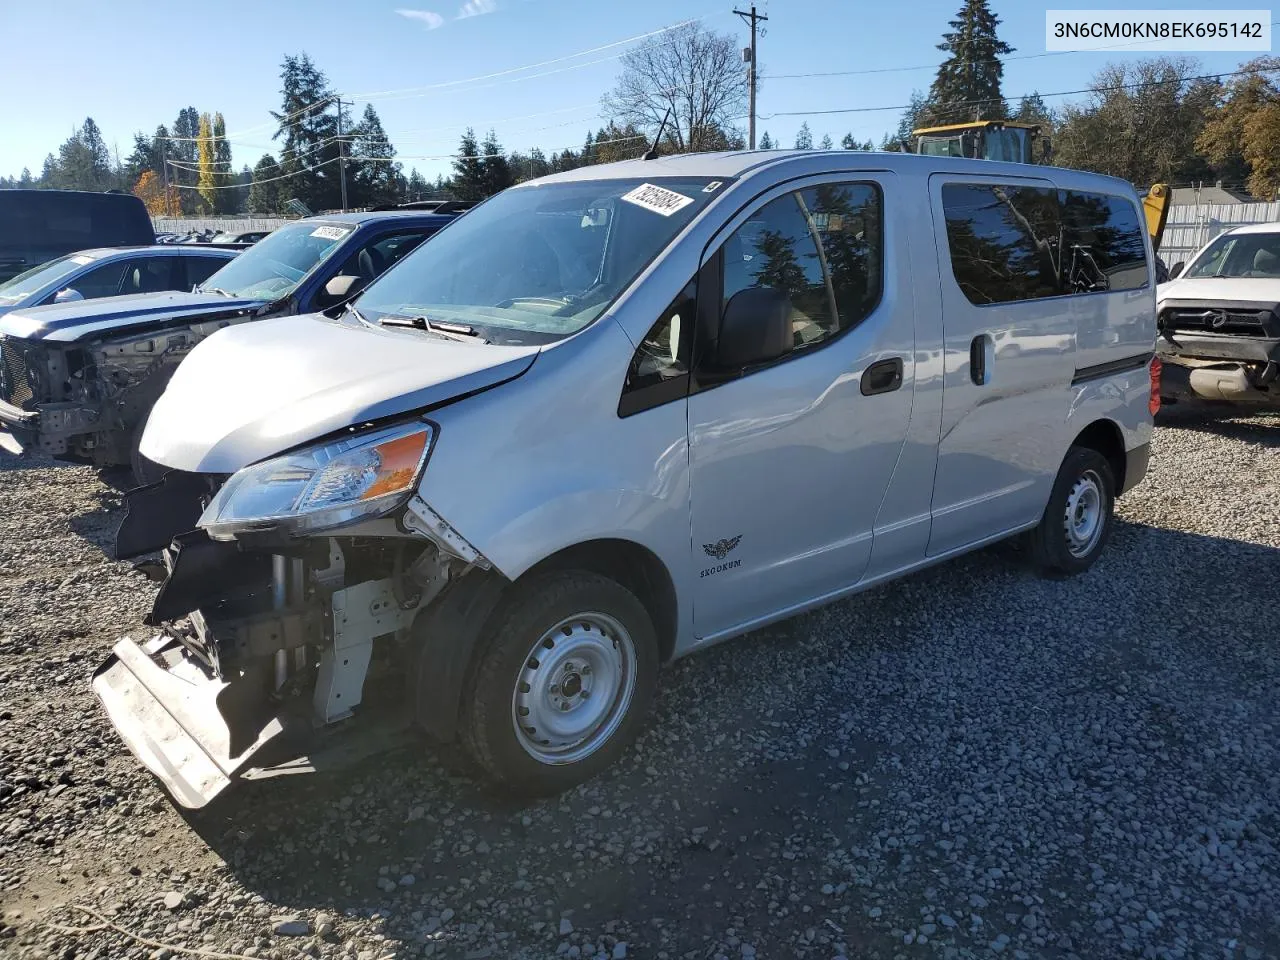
[1054,550]
[526,614]
[144,471]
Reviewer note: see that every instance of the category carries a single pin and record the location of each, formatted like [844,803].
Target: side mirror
[756,328]
[343,287]
[1176,270]
[67,295]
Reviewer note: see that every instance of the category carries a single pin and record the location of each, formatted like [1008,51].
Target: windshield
[1239,255]
[1009,144]
[28,282]
[537,263]
[276,264]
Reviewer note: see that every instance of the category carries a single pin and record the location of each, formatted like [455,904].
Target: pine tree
[804,139]
[468,173]
[308,126]
[25,180]
[826,143]
[376,177]
[264,191]
[766,142]
[1033,109]
[494,169]
[417,186]
[967,86]
[141,159]
[184,153]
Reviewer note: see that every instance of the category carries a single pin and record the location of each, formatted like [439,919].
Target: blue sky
[132,64]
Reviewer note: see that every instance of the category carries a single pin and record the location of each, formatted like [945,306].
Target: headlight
[323,487]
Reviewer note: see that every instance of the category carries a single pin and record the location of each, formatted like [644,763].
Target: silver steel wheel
[574,689]
[1085,515]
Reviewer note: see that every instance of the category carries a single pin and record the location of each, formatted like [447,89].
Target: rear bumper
[1136,462]
[170,713]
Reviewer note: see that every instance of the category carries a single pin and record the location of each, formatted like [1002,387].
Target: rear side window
[1103,243]
[1003,241]
[68,220]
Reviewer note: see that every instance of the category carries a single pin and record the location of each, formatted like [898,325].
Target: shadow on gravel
[1263,429]
[739,769]
[99,526]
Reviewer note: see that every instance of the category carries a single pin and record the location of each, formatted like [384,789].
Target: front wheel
[1077,520]
[562,684]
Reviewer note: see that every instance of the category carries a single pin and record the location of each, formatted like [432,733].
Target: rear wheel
[1077,520]
[562,682]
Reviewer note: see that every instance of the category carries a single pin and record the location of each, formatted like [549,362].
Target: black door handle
[883,376]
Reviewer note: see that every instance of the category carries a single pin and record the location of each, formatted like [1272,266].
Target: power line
[1060,93]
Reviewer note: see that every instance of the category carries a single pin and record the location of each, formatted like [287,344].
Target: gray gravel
[972,762]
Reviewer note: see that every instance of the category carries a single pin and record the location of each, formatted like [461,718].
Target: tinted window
[104,281]
[1003,241]
[1103,243]
[1239,255]
[66,220]
[200,269]
[379,254]
[776,248]
[847,219]
[150,275]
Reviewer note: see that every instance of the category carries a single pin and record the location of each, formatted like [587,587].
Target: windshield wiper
[218,290]
[445,328]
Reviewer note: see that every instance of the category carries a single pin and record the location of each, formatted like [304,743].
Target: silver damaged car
[608,418]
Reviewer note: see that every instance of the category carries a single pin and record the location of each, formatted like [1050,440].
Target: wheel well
[1105,437]
[635,567]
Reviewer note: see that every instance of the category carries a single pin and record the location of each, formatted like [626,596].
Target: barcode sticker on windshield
[329,233]
[657,199]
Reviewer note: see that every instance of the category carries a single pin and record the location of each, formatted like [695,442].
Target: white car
[614,416]
[1219,320]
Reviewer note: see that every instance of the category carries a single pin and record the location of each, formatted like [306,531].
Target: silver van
[611,417]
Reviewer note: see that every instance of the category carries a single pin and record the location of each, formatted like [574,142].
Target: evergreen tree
[766,142]
[141,159]
[417,186]
[494,169]
[184,153]
[1032,109]
[779,267]
[376,177]
[308,127]
[468,172]
[226,199]
[82,163]
[826,143]
[804,139]
[538,166]
[25,180]
[916,115]
[588,151]
[967,86]
[264,191]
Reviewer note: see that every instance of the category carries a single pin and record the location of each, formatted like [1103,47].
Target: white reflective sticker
[657,199]
[329,233]
[713,186]
[81,261]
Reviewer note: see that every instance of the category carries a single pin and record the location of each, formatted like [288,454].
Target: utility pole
[164,165]
[750,56]
[342,157]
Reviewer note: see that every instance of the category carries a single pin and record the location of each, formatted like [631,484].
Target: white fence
[1191,226]
[227,224]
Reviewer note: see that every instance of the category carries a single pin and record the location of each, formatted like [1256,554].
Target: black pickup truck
[77,380]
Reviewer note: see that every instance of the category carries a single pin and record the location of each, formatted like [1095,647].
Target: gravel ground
[969,762]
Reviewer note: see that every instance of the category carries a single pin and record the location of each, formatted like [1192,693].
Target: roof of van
[739,163]
[1256,228]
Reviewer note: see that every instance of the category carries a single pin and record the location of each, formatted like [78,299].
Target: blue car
[78,379]
[112,272]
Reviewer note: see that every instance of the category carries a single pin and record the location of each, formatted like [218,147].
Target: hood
[257,389]
[1262,290]
[81,319]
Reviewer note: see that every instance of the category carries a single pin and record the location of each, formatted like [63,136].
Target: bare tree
[694,72]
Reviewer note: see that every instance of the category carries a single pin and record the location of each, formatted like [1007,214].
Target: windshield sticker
[713,186]
[81,261]
[329,233]
[657,199]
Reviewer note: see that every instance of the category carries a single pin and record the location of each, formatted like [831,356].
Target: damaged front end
[81,392]
[274,628]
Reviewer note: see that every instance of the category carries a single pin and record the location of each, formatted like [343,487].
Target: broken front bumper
[182,723]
